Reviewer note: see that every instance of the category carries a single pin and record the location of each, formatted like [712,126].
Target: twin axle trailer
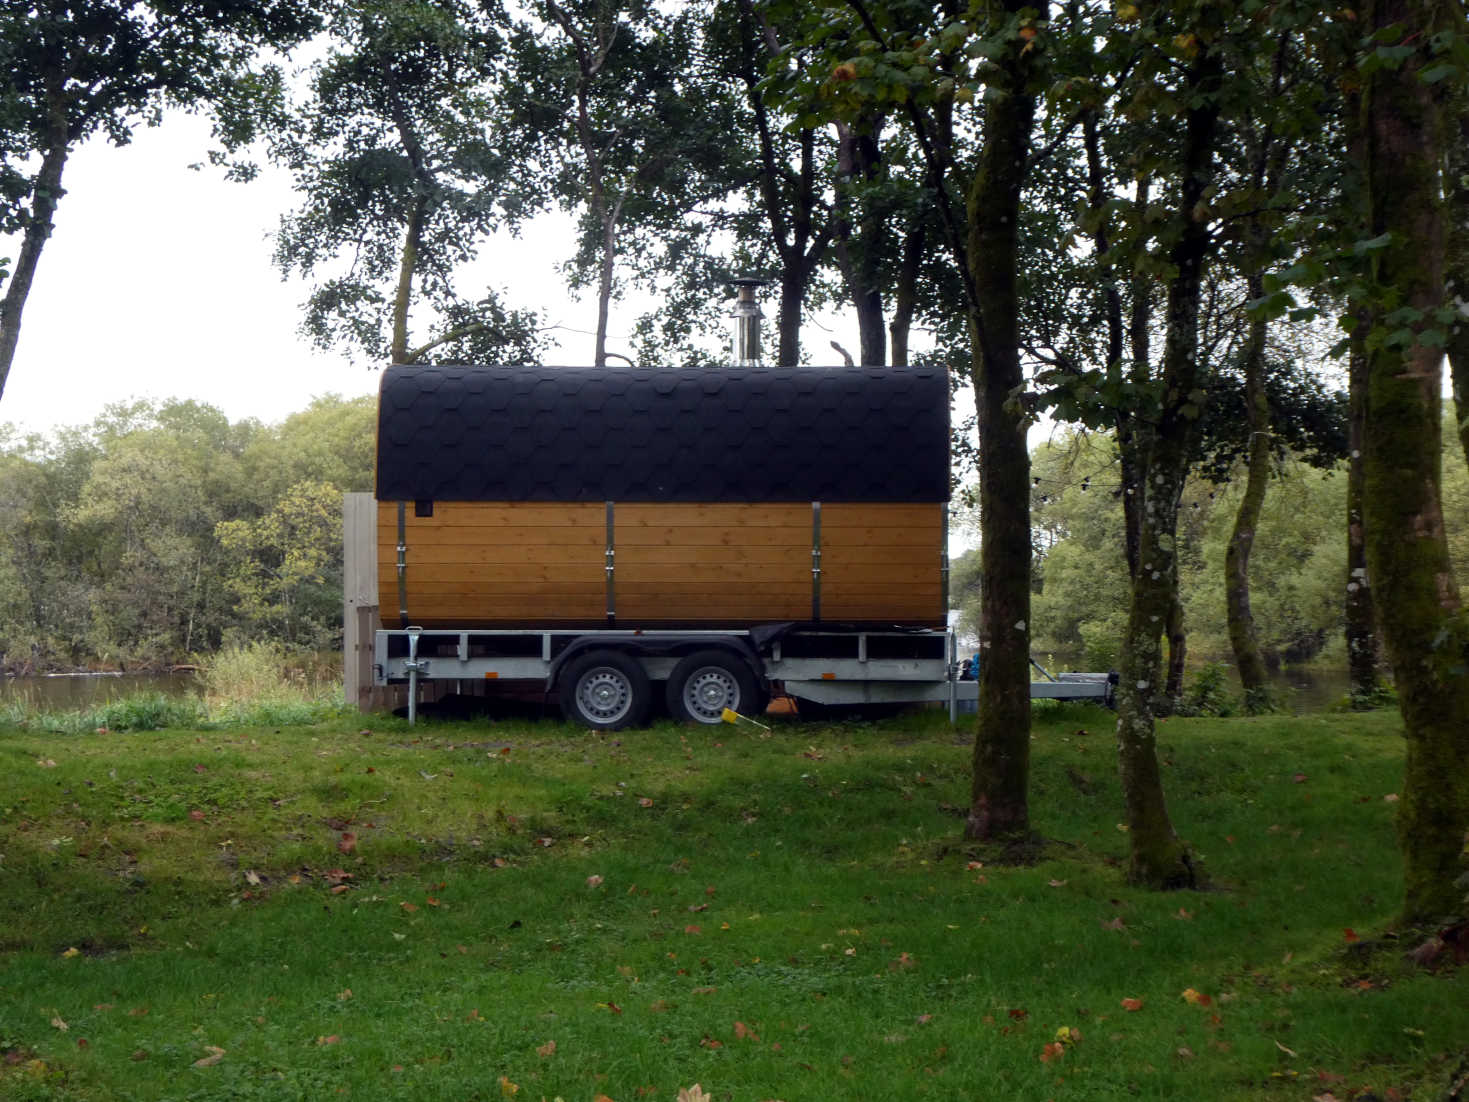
[621,537]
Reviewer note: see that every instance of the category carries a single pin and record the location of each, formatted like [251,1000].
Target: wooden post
[359,598]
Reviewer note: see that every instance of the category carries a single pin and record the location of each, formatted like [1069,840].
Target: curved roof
[663,434]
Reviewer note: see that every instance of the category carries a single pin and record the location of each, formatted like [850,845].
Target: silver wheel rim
[604,695]
[708,692]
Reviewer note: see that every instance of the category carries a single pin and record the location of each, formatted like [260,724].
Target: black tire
[709,681]
[605,690]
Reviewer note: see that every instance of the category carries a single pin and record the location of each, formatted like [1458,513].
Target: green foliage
[162,529]
[1209,694]
[810,885]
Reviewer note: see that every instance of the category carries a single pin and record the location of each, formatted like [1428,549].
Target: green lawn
[533,911]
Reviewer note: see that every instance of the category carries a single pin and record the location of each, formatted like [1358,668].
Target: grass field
[535,911]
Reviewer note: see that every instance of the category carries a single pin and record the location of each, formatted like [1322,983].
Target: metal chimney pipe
[747,317]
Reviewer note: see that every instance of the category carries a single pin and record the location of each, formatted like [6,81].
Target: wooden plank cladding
[503,564]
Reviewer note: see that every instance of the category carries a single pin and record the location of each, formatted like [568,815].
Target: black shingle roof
[663,434]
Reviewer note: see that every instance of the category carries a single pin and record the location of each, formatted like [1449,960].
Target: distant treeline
[161,531]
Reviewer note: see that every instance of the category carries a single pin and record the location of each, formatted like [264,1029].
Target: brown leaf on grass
[216,1054]
[601,1098]
[138,1012]
[507,1088]
[1299,778]
[1350,934]
[693,1094]
[409,907]
[1053,1051]
[1058,883]
[705,990]
[197,815]
[692,930]
[344,994]
[1287,1051]
[710,1042]
[1196,998]
[1018,1015]
[594,881]
[332,1040]
[644,801]
[1185,1053]
[340,888]
[545,843]
[1115,924]
[60,1023]
[744,1032]
[547,1049]
[1132,1004]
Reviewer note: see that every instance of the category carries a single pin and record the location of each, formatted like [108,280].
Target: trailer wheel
[605,690]
[707,682]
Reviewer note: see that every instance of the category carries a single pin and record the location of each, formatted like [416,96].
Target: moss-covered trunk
[1456,259]
[1361,624]
[1423,623]
[999,805]
[1242,638]
[1159,859]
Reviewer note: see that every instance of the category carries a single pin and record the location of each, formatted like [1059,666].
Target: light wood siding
[475,564]
[883,563]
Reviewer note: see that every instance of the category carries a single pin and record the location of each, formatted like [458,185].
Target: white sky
[158,283]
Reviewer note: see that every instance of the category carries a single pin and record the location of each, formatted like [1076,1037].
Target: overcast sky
[158,283]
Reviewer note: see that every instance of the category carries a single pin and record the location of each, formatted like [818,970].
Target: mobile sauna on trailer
[617,536]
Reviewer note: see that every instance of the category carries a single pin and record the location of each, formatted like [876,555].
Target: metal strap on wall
[611,563]
[403,562]
[944,568]
[816,560]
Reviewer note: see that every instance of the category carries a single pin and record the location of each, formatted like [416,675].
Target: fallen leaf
[1132,1004]
[1287,1051]
[347,843]
[744,1032]
[333,1039]
[693,1094]
[1115,924]
[1058,883]
[645,802]
[1053,1051]
[1350,934]
[60,1023]
[409,907]
[1196,998]
[216,1054]
[197,815]
[547,1049]
[1183,914]
[1185,1053]
[72,952]
[1390,798]
[1019,1015]
[344,994]
[545,843]
[252,878]
[1299,778]
[507,1088]
[594,881]
[692,930]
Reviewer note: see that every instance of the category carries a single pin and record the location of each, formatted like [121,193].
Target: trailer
[630,539]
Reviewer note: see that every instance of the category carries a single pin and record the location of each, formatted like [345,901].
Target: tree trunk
[1159,858]
[1423,623]
[999,805]
[858,249]
[1456,271]
[1172,700]
[905,296]
[38,224]
[403,296]
[1242,637]
[1361,629]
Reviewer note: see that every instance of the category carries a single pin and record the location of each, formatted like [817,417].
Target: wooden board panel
[487,563]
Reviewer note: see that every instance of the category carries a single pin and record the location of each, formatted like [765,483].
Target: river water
[73,692]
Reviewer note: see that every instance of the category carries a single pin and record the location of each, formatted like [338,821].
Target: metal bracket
[816,561]
[403,562]
[611,563]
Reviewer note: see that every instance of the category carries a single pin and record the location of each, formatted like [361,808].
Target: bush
[1209,693]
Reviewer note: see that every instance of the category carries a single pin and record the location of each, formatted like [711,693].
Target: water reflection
[71,692]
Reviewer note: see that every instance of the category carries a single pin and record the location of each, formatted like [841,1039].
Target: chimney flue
[747,317]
